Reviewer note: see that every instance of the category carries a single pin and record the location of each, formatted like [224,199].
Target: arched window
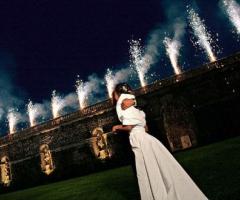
[46,159]
[99,143]
[5,171]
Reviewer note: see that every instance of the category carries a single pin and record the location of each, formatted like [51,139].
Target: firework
[110,82]
[12,120]
[32,112]
[82,94]
[57,104]
[139,61]
[233,11]
[172,51]
[204,39]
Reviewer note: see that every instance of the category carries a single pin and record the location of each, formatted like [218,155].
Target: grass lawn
[215,169]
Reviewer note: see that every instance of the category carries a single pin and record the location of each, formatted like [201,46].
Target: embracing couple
[160,176]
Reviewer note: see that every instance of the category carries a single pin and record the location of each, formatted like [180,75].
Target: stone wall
[196,107]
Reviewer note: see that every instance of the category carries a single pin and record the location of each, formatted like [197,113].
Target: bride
[160,176]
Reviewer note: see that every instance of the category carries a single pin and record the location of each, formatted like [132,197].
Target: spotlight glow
[204,39]
[172,51]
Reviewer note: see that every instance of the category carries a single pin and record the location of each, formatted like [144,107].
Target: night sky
[52,42]
[45,44]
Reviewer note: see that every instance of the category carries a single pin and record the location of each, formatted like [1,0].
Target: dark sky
[44,44]
[53,41]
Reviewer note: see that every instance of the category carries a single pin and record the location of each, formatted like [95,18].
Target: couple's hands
[116,128]
[127,103]
[126,128]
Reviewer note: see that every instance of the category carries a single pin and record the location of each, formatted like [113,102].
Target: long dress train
[160,176]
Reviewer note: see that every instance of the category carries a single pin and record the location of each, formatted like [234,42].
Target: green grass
[215,169]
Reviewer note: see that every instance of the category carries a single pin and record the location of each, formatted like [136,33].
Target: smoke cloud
[95,89]
[174,26]
[9,100]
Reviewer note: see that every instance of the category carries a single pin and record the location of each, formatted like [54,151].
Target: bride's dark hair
[120,89]
[123,88]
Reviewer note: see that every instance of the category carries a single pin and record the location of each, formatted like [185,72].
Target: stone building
[197,107]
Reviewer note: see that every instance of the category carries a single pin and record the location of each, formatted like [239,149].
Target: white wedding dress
[160,176]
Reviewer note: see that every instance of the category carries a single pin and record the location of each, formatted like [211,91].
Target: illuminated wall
[193,108]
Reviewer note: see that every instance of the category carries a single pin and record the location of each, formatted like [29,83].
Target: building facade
[197,107]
